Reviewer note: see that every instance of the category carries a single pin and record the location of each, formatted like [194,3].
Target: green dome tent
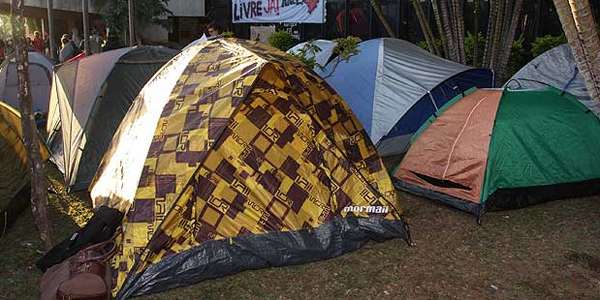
[505,149]
[88,100]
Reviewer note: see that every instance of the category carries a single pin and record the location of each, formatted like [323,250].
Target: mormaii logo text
[367,208]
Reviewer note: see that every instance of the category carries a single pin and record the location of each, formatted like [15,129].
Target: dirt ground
[547,251]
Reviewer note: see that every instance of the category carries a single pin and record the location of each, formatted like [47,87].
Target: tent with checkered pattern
[235,157]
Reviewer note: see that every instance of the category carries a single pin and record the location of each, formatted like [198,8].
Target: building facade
[187,23]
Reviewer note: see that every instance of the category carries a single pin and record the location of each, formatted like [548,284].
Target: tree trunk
[382,19]
[459,24]
[440,28]
[425,28]
[39,197]
[131,11]
[510,38]
[497,35]
[489,43]
[476,11]
[446,23]
[580,28]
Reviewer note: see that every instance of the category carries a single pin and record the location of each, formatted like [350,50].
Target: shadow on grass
[21,247]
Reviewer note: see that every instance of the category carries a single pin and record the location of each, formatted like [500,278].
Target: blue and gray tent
[394,86]
[555,67]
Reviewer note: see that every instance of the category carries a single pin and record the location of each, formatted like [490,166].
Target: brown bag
[83,276]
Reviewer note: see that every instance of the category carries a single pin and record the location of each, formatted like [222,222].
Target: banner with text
[278,11]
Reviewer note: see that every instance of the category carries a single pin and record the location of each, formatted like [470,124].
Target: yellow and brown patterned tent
[235,157]
[14,170]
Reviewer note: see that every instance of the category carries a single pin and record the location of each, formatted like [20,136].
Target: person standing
[214,30]
[68,48]
[38,43]
[2,51]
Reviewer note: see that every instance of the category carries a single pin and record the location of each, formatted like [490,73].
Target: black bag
[100,228]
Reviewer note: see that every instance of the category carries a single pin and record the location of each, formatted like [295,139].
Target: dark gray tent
[89,98]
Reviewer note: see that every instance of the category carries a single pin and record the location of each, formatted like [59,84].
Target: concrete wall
[68,5]
[180,8]
[187,8]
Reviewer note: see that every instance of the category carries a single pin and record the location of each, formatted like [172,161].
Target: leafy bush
[282,40]
[307,55]
[346,47]
[437,41]
[228,34]
[519,57]
[545,43]
[470,47]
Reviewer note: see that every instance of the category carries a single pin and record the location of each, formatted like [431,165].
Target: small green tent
[505,149]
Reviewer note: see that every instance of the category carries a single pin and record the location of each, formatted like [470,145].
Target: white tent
[89,98]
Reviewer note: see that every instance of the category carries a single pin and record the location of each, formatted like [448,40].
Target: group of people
[71,46]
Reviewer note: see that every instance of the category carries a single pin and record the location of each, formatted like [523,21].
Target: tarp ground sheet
[254,162]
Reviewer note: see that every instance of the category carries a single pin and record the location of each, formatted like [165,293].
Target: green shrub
[346,47]
[282,40]
[228,34]
[470,47]
[519,57]
[307,54]
[437,42]
[545,43]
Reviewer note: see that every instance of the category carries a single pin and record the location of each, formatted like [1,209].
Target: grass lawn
[547,251]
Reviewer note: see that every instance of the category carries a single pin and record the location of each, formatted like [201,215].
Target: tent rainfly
[235,157]
[89,98]
[40,80]
[555,67]
[497,149]
[394,86]
[14,178]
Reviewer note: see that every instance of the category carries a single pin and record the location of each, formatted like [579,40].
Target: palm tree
[458,25]
[447,25]
[39,196]
[440,27]
[381,17]
[580,28]
[476,11]
[425,28]
[510,37]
